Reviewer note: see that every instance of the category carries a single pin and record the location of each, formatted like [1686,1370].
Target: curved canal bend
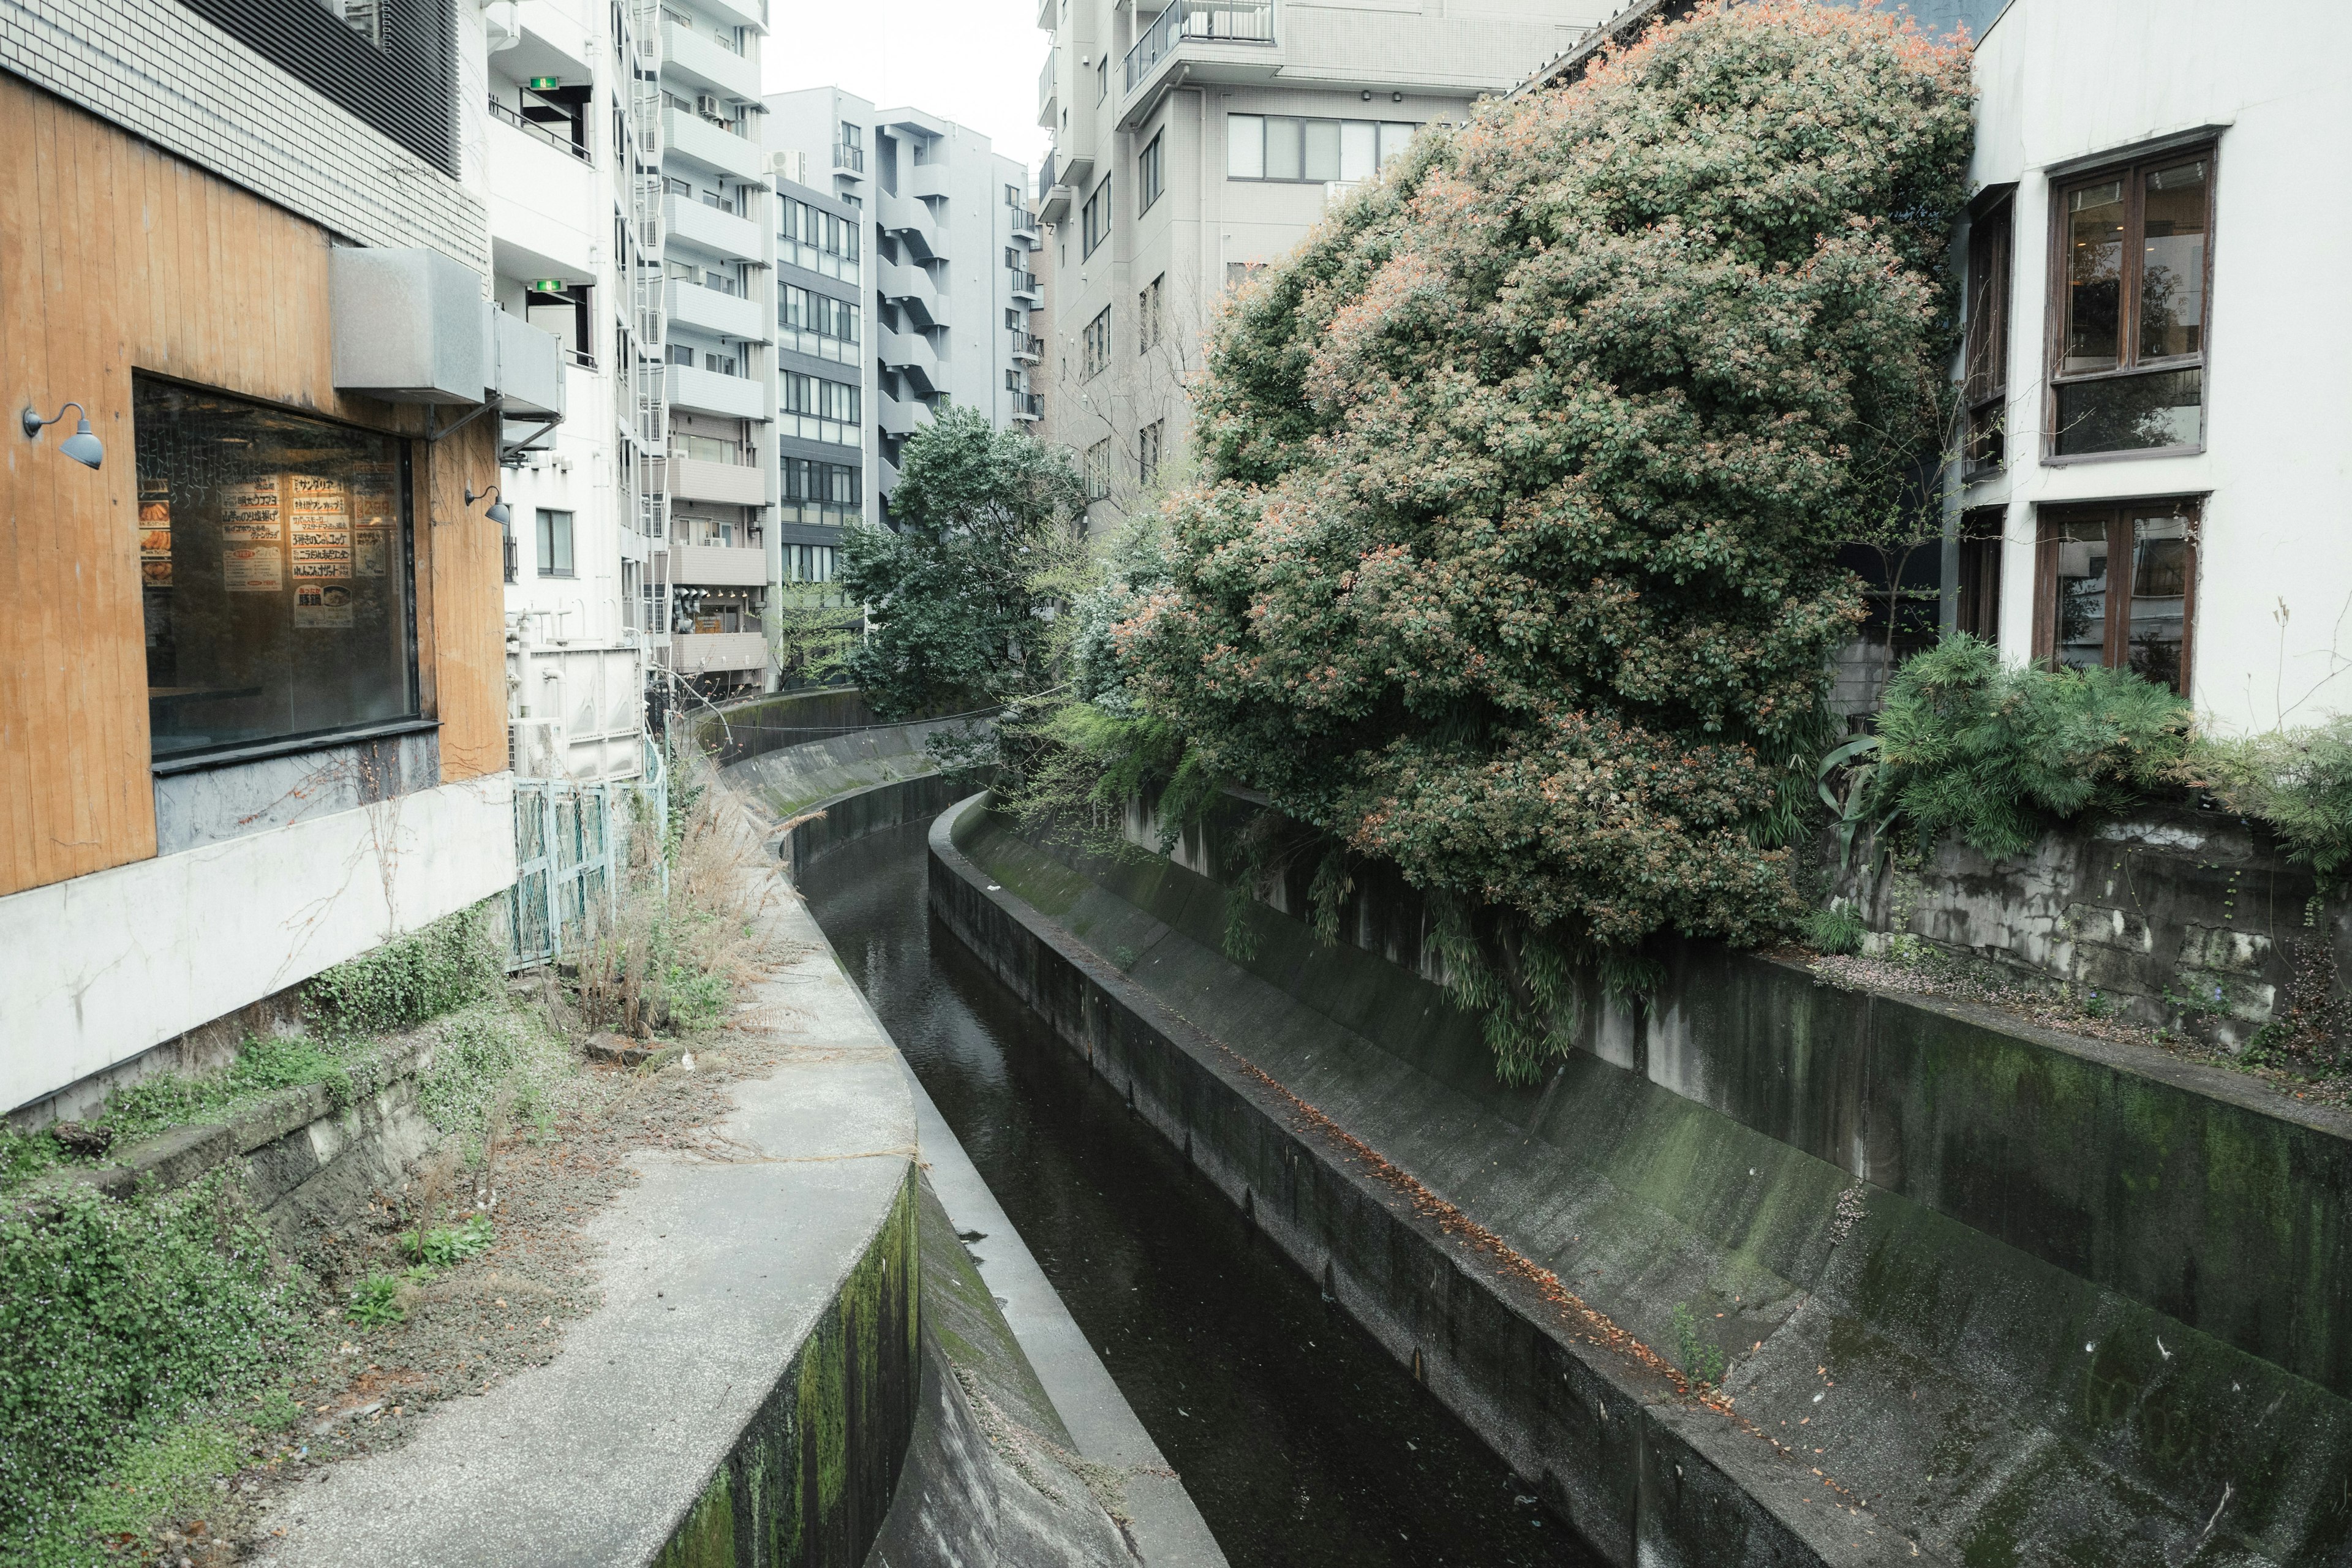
[1300,1441]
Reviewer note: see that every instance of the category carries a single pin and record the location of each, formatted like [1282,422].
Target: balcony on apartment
[719,565]
[905,284]
[1217,40]
[711,145]
[1047,105]
[699,653]
[713,228]
[751,14]
[902,416]
[701,479]
[1026,287]
[707,59]
[1027,347]
[913,354]
[699,391]
[1028,405]
[730,316]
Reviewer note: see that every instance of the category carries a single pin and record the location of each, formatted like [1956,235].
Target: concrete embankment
[1938,1346]
[1024,1451]
[746,1391]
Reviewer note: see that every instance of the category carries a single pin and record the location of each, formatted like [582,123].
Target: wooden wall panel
[115,255]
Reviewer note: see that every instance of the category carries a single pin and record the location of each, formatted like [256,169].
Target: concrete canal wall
[1985,1297]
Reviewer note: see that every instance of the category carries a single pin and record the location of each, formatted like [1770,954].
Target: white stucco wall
[96,970]
[2065,80]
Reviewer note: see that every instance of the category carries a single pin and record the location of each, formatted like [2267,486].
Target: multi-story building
[1203,139]
[716,483]
[826,371]
[252,716]
[952,238]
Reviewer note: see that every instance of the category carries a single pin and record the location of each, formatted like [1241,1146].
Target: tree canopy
[1513,560]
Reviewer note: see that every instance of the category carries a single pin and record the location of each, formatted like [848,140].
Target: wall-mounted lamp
[82,445]
[1396,97]
[498,512]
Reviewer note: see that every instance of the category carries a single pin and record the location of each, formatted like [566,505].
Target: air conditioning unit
[707,105]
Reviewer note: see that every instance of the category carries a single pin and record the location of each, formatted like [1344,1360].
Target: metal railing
[1024,283]
[516,117]
[1027,345]
[1223,21]
[845,156]
[1028,405]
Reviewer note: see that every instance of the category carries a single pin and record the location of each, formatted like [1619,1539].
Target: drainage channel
[1300,1441]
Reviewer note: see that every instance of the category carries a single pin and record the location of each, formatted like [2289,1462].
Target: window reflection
[2159,598]
[2131,413]
[2095,259]
[2172,268]
[2082,632]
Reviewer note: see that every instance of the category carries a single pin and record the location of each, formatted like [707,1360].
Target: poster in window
[370,548]
[155,540]
[322,606]
[250,568]
[250,513]
[318,518]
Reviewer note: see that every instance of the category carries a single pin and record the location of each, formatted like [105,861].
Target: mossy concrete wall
[1903,1384]
[785,719]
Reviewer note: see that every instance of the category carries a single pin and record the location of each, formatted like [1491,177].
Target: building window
[1013,320]
[1977,611]
[1147,449]
[554,543]
[680,354]
[827,494]
[1279,147]
[507,548]
[1102,77]
[2130,294]
[822,242]
[818,324]
[810,562]
[814,409]
[274,556]
[1097,470]
[1012,198]
[1094,346]
[1094,226]
[1148,176]
[1988,340]
[2116,586]
[1147,316]
[1238,272]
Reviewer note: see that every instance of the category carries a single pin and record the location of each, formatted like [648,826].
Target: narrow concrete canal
[1302,1443]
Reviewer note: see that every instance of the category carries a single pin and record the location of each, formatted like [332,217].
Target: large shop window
[276,557]
[2133,272]
[2116,586]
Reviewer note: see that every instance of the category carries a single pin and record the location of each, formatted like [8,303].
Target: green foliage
[953,595]
[410,979]
[813,627]
[1998,755]
[375,1302]
[25,1155]
[168,1477]
[1835,931]
[489,1062]
[1698,1356]
[121,1317]
[262,1066]
[1514,559]
[2298,781]
[445,1245]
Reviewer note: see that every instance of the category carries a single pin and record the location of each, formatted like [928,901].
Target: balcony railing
[1028,405]
[1024,283]
[1223,21]
[1046,91]
[516,117]
[1027,345]
[845,156]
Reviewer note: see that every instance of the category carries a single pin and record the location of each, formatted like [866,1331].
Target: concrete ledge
[745,1391]
[1903,1386]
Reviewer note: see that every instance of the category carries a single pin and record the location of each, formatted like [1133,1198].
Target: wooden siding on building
[116,256]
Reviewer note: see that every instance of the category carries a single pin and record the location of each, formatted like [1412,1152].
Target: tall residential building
[824,368]
[1197,142]
[951,239]
[251,674]
[714,484]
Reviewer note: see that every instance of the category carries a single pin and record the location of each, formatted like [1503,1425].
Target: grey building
[824,372]
[951,283]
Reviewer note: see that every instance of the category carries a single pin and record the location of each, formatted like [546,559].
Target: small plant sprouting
[1701,1358]
[376,1303]
[1835,931]
[2096,1006]
[445,1246]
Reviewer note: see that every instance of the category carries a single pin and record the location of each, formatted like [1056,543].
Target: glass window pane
[1285,152]
[2160,599]
[1244,147]
[2094,261]
[273,557]
[2131,413]
[1394,134]
[1322,149]
[1360,149]
[2172,267]
[2081,639]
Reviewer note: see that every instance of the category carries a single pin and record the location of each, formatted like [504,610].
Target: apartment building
[253,715]
[825,372]
[951,237]
[717,482]
[1197,140]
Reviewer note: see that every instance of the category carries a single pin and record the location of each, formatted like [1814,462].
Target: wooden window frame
[2129,167]
[1992,250]
[1977,610]
[2114,649]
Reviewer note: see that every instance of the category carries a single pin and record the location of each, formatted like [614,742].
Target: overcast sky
[973,61]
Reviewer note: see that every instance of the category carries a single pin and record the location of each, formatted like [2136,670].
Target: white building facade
[1196,139]
[2153,472]
[950,238]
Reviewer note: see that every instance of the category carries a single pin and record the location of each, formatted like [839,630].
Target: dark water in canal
[1302,1443]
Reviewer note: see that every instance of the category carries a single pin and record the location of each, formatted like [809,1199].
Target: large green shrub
[1997,754]
[1513,563]
[2299,782]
